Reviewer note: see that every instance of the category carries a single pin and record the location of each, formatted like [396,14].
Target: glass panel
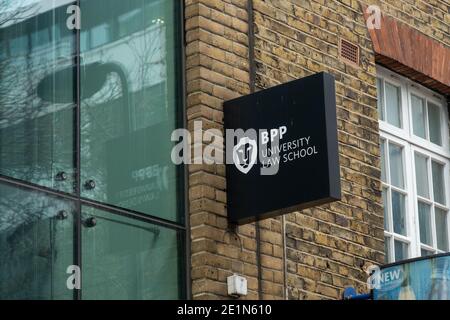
[441,229]
[438,182]
[383,160]
[129,106]
[422,176]
[380,96]
[40,38]
[396,165]
[130,22]
[426,253]
[3,50]
[18,45]
[387,249]
[84,40]
[418,116]
[425,223]
[37,94]
[393,105]
[128,259]
[434,120]
[386,210]
[36,245]
[398,213]
[99,35]
[401,250]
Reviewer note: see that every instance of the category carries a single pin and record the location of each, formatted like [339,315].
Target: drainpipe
[252,74]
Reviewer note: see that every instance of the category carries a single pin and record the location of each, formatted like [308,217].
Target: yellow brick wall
[217,69]
[312,254]
[328,247]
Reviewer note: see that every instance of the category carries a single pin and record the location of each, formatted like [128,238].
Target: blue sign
[419,279]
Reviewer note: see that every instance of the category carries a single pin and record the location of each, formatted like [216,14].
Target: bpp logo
[245,154]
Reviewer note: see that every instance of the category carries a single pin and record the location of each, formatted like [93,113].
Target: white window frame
[444,161]
[409,238]
[411,143]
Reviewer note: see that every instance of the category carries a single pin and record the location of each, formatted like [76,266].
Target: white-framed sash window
[415,161]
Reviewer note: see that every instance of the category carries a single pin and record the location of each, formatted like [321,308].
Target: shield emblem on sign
[245,154]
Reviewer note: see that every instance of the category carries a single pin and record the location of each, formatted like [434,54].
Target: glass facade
[36,244]
[85,121]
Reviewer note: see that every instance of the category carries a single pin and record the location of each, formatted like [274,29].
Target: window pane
[426,253]
[438,182]
[422,176]
[130,105]
[425,223]
[401,250]
[418,116]
[434,122]
[380,96]
[18,45]
[84,40]
[387,249]
[130,22]
[396,165]
[37,96]
[36,245]
[99,35]
[3,49]
[398,213]
[383,160]
[144,267]
[393,105]
[386,210]
[441,229]
[40,38]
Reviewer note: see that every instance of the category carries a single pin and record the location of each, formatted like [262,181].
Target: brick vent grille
[349,52]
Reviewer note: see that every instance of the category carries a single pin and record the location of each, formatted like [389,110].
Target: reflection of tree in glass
[36,136]
[31,238]
[150,74]
[36,246]
[125,103]
[16,11]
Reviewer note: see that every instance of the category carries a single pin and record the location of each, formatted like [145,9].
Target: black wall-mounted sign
[268,177]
